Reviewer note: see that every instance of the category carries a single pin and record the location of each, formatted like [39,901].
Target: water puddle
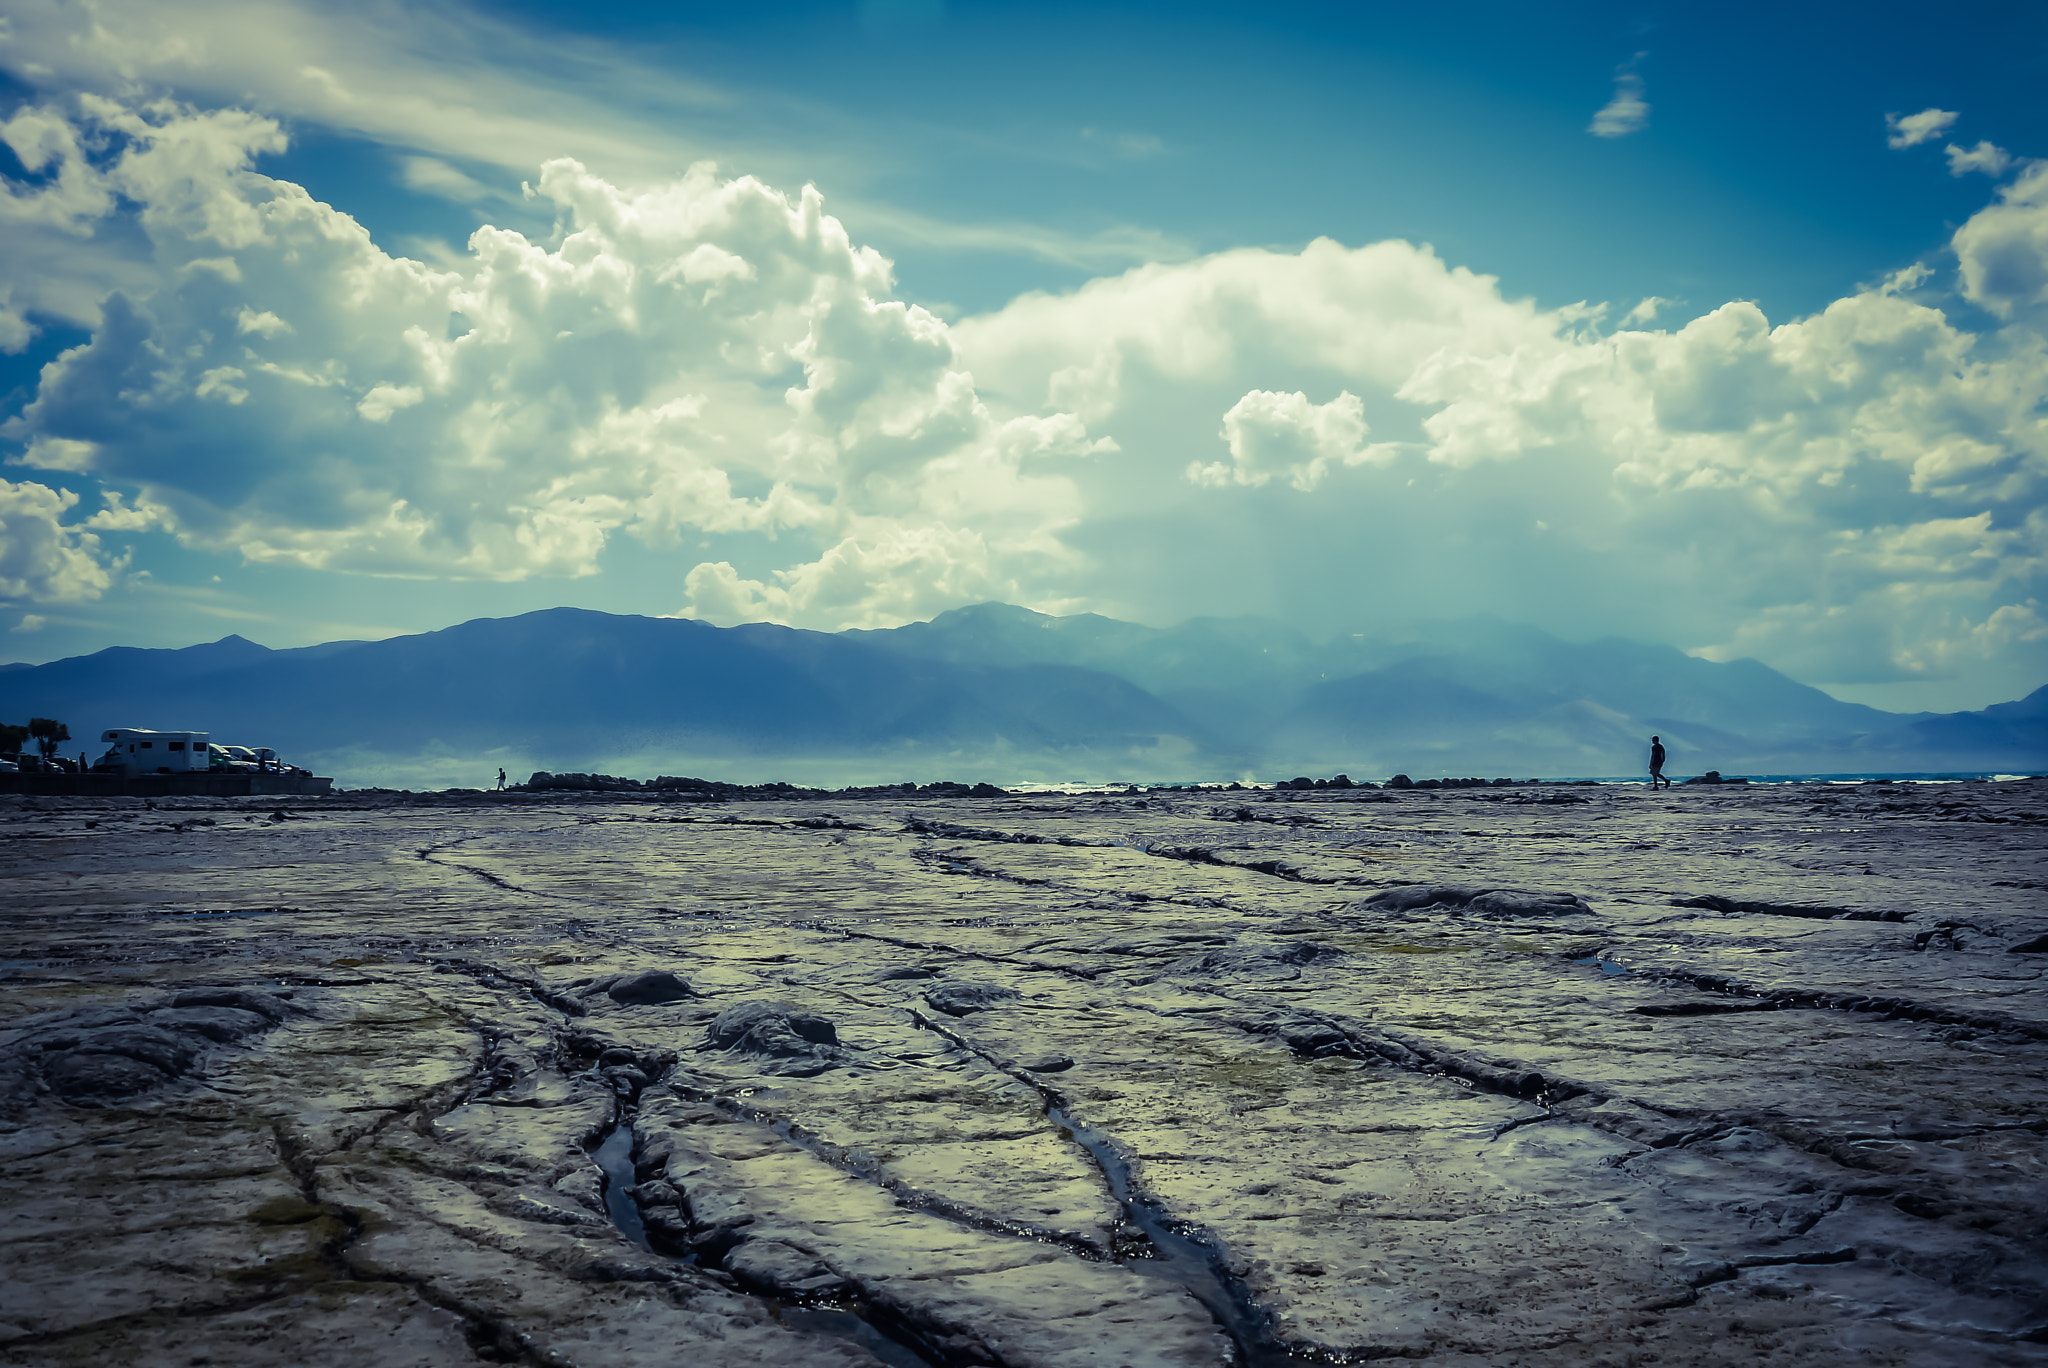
[614,1157]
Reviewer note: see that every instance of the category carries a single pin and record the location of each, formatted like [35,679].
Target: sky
[1725,327]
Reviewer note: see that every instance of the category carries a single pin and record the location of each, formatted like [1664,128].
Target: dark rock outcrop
[651,988]
[961,999]
[1275,961]
[791,1039]
[106,1056]
[1715,903]
[1484,902]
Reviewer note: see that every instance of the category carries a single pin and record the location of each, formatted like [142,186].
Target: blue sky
[1130,377]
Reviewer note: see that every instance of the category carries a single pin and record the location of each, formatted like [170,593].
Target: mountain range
[1001,693]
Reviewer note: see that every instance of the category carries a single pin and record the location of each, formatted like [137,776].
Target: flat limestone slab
[1486,1078]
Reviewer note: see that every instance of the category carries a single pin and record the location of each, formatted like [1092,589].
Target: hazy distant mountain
[997,692]
[1232,675]
[567,689]
[1474,696]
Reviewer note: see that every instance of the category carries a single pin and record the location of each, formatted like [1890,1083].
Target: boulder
[771,1027]
[653,988]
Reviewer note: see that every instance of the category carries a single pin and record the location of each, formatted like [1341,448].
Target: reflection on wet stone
[1732,1077]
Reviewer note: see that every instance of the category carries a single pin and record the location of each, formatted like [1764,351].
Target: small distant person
[501,780]
[1657,763]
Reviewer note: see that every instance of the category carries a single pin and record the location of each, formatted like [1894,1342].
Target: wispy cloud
[1913,129]
[1132,145]
[1628,112]
[1112,248]
[1992,161]
[432,176]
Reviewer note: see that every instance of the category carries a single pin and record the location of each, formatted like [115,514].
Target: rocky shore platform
[1477,1077]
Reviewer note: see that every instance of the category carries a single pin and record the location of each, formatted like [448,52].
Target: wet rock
[653,988]
[1705,1272]
[664,1212]
[584,1186]
[548,1207]
[267,1005]
[94,1079]
[964,998]
[106,1054]
[1413,897]
[1309,1037]
[1509,902]
[218,1024]
[1485,902]
[774,1029]
[1715,902]
[974,1296]
[1273,962]
[627,1079]
[170,1052]
[1383,1149]
[783,1269]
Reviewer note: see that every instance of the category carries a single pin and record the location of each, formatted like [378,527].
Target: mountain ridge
[1000,692]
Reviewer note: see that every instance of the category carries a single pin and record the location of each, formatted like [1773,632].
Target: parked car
[250,760]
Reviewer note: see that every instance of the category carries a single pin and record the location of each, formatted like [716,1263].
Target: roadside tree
[49,734]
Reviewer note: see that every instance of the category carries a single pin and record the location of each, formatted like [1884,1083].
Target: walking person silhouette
[1657,763]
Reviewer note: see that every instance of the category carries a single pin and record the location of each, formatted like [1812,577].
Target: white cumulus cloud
[1841,493]
[703,356]
[719,370]
[2004,248]
[1273,434]
[42,559]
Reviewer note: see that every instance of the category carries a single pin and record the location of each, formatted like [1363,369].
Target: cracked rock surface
[1480,1077]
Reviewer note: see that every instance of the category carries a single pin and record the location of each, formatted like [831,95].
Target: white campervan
[136,750]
